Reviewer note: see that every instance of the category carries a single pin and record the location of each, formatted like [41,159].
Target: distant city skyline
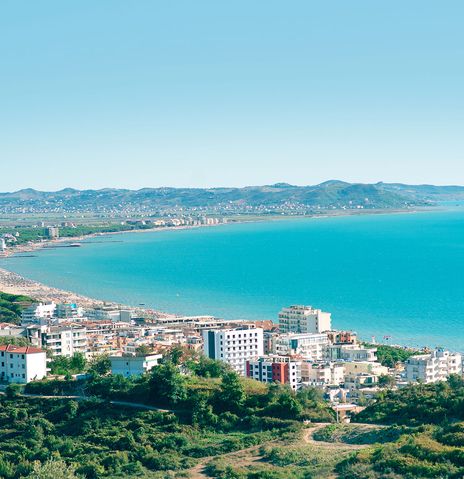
[209,94]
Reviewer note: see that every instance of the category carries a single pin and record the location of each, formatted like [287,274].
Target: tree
[100,365]
[386,380]
[232,394]
[167,385]
[12,390]
[78,362]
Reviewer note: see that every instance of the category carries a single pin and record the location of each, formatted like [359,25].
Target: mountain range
[330,194]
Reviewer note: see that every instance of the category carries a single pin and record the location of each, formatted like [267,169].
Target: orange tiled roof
[11,348]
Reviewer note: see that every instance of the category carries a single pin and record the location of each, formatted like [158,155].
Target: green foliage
[208,368]
[359,434]
[232,394]
[96,440]
[13,390]
[418,404]
[63,365]
[100,365]
[167,385]
[390,355]
[11,306]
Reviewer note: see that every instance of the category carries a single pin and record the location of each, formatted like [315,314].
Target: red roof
[11,348]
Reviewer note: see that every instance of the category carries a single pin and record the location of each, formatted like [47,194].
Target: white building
[304,319]
[63,340]
[22,364]
[38,313]
[352,352]
[234,346]
[134,365]
[307,345]
[436,366]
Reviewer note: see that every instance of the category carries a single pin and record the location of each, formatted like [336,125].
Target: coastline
[13,283]
[37,245]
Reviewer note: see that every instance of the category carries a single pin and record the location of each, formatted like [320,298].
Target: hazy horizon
[225,186]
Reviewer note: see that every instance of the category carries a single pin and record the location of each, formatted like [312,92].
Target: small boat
[75,245]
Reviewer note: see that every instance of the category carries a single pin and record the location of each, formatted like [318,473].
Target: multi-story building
[436,366]
[22,364]
[38,313]
[322,374]
[303,319]
[234,346]
[278,369]
[307,345]
[62,340]
[134,365]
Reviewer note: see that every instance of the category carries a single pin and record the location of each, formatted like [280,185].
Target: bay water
[392,275]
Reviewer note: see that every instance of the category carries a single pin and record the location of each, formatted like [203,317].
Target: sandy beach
[16,284]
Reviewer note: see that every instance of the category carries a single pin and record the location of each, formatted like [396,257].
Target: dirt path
[308,438]
[243,457]
[249,456]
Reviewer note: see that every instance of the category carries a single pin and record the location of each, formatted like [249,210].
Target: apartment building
[433,367]
[307,345]
[38,313]
[303,319]
[22,364]
[62,340]
[321,374]
[234,346]
[278,369]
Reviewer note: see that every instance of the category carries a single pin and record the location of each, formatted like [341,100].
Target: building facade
[433,367]
[275,369]
[234,346]
[307,345]
[22,364]
[303,319]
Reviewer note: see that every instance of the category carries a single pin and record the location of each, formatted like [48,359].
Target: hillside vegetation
[11,306]
[325,195]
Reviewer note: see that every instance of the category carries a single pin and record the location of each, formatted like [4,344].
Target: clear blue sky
[98,93]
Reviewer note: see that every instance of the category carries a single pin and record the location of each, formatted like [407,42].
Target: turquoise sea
[398,275]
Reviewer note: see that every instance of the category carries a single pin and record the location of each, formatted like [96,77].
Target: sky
[202,93]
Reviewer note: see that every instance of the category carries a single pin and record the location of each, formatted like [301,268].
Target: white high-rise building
[233,346]
[304,319]
[433,367]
